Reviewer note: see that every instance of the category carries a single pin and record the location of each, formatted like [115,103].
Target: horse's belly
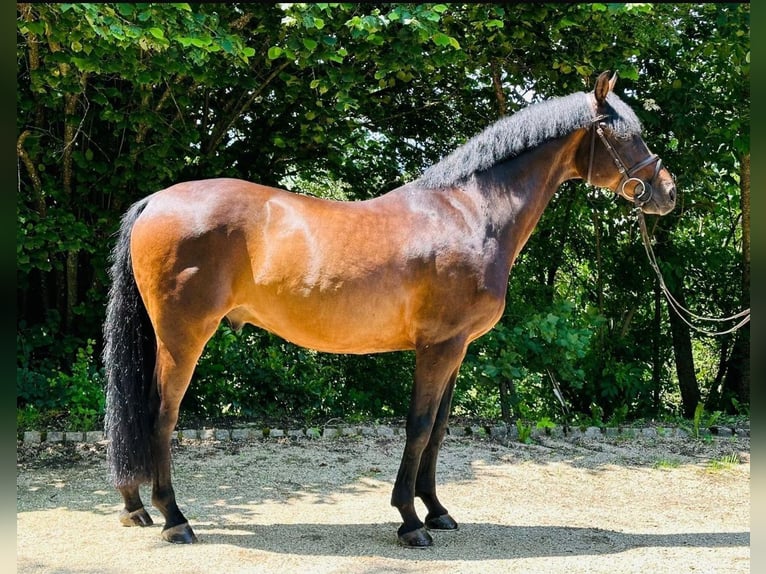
[332,325]
[388,318]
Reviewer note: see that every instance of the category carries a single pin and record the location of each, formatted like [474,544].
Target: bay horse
[424,267]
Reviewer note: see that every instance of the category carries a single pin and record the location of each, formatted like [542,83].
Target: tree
[707,132]
[99,88]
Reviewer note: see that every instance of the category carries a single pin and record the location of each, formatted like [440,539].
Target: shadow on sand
[471,542]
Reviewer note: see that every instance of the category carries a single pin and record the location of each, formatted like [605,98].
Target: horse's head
[619,159]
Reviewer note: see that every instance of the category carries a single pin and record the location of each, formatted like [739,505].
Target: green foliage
[524,431]
[666,464]
[29,417]
[553,341]
[81,391]
[725,462]
[703,421]
[347,101]
[255,375]
[546,425]
[619,416]
[73,400]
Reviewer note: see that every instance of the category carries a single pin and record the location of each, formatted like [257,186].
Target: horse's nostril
[672,194]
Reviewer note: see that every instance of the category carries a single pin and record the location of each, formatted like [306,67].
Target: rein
[639,200]
[744,315]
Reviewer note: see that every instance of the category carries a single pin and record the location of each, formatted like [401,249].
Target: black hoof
[136,518]
[179,534]
[443,522]
[417,538]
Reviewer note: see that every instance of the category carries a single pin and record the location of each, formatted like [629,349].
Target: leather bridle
[627,174]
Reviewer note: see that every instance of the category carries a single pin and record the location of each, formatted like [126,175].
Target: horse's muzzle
[662,199]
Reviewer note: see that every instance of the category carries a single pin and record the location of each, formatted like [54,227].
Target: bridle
[627,174]
[640,199]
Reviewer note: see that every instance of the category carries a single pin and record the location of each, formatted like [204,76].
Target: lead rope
[674,304]
[560,396]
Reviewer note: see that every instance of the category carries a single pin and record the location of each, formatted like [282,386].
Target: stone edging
[500,431]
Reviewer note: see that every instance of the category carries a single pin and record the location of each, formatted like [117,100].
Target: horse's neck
[519,190]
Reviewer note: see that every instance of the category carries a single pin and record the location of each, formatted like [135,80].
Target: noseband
[641,197]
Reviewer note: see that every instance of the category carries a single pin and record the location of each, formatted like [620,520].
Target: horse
[423,267]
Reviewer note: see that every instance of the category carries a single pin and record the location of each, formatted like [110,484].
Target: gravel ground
[577,506]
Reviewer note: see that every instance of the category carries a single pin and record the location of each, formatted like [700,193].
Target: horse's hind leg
[173,373]
[134,513]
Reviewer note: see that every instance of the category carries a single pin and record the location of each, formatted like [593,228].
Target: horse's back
[201,204]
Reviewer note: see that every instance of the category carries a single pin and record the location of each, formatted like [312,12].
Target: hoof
[418,538]
[179,534]
[443,522]
[136,518]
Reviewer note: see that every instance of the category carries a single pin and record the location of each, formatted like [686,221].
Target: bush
[69,400]
[544,344]
[256,375]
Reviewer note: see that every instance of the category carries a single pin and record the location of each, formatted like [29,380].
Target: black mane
[524,130]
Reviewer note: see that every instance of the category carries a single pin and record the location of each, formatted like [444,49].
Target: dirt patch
[603,505]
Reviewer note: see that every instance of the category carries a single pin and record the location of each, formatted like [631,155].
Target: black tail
[129,357]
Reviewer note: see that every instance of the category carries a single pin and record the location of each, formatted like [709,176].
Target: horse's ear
[604,85]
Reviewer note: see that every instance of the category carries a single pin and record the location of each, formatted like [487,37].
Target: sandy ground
[574,506]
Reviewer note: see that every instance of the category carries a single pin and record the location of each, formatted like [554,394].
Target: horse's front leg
[435,366]
[438,517]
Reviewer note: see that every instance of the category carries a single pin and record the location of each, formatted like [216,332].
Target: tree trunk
[600,291]
[744,185]
[37,296]
[682,348]
[497,84]
[506,390]
[70,134]
[656,358]
[713,400]
[736,383]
